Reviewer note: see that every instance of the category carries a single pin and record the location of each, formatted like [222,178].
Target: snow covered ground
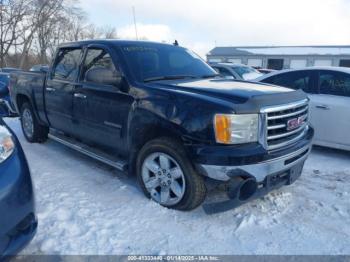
[85,207]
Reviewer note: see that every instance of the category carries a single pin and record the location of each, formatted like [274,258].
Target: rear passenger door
[59,88]
[101,110]
[331,108]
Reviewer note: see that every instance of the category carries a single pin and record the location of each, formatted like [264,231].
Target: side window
[294,80]
[67,64]
[269,80]
[97,58]
[334,83]
[224,72]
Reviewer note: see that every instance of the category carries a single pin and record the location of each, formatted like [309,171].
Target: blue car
[18,221]
[6,106]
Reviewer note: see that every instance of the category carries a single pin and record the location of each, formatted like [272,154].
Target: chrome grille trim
[288,115]
[288,133]
[290,141]
[275,118]
[276,127]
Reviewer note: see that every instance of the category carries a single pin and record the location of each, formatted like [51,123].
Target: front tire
[32,130]
[168,177]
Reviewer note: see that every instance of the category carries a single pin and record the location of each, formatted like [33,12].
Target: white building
[281,57]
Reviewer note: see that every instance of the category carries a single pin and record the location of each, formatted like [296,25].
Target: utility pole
[133,13]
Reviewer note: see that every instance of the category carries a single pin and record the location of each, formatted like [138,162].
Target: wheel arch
[23,98]
[146,127]
[20,100]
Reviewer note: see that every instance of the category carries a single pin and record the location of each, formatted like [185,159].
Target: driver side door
[100,111]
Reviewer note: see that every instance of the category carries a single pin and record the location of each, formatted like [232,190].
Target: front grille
[286,124]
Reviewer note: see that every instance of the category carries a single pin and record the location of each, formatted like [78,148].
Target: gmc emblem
[295,123]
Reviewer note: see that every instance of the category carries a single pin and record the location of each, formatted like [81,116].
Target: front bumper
[224,162]
[270,182]
[259,170]
[270,170]
[17,238]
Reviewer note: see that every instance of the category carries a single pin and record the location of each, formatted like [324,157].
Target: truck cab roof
[109,42]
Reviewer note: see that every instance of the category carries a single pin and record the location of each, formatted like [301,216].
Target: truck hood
[250,95]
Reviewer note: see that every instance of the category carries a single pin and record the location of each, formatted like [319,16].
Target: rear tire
[32,130]
[163,165]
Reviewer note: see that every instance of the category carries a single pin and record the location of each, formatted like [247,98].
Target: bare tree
[66,25]
[42,11]
[110,32]
[32,29]
[12,14]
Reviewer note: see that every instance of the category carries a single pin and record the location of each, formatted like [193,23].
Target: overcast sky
[200,25]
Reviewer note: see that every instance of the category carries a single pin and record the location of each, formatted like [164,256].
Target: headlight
[236,129]
[6,144]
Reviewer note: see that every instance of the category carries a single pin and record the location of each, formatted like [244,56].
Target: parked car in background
[39,68]
[6,106]
[18,222]
[329,91]
[9,69]
[160,111]
[264,70]
[236,71]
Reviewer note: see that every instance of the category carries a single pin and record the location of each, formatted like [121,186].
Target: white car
[329,91]
[236,71]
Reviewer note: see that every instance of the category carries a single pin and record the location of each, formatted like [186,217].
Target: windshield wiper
[157,78]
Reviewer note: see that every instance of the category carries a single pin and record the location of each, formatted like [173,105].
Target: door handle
[50,89]
[324,107]
[79,95]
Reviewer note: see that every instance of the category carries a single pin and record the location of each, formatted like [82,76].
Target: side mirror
[103,76]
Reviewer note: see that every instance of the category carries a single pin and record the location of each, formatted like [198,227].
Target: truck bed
[29,84]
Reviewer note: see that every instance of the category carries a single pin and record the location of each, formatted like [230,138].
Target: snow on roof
[282,50]
[298,51]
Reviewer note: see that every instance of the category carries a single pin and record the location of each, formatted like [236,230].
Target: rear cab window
[67,64]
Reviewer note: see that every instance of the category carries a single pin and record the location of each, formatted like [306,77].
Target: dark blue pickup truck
[160,112]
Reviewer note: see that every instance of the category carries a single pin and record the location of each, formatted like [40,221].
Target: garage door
[235,60]
[255,62]
[298,63]
[323,62]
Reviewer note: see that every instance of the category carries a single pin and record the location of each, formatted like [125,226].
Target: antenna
[133,13]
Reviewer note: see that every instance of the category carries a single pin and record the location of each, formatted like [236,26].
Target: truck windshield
[151,62]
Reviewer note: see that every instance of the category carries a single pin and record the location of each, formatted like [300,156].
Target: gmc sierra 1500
[159,111]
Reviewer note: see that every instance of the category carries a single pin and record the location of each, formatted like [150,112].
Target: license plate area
[286,177]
